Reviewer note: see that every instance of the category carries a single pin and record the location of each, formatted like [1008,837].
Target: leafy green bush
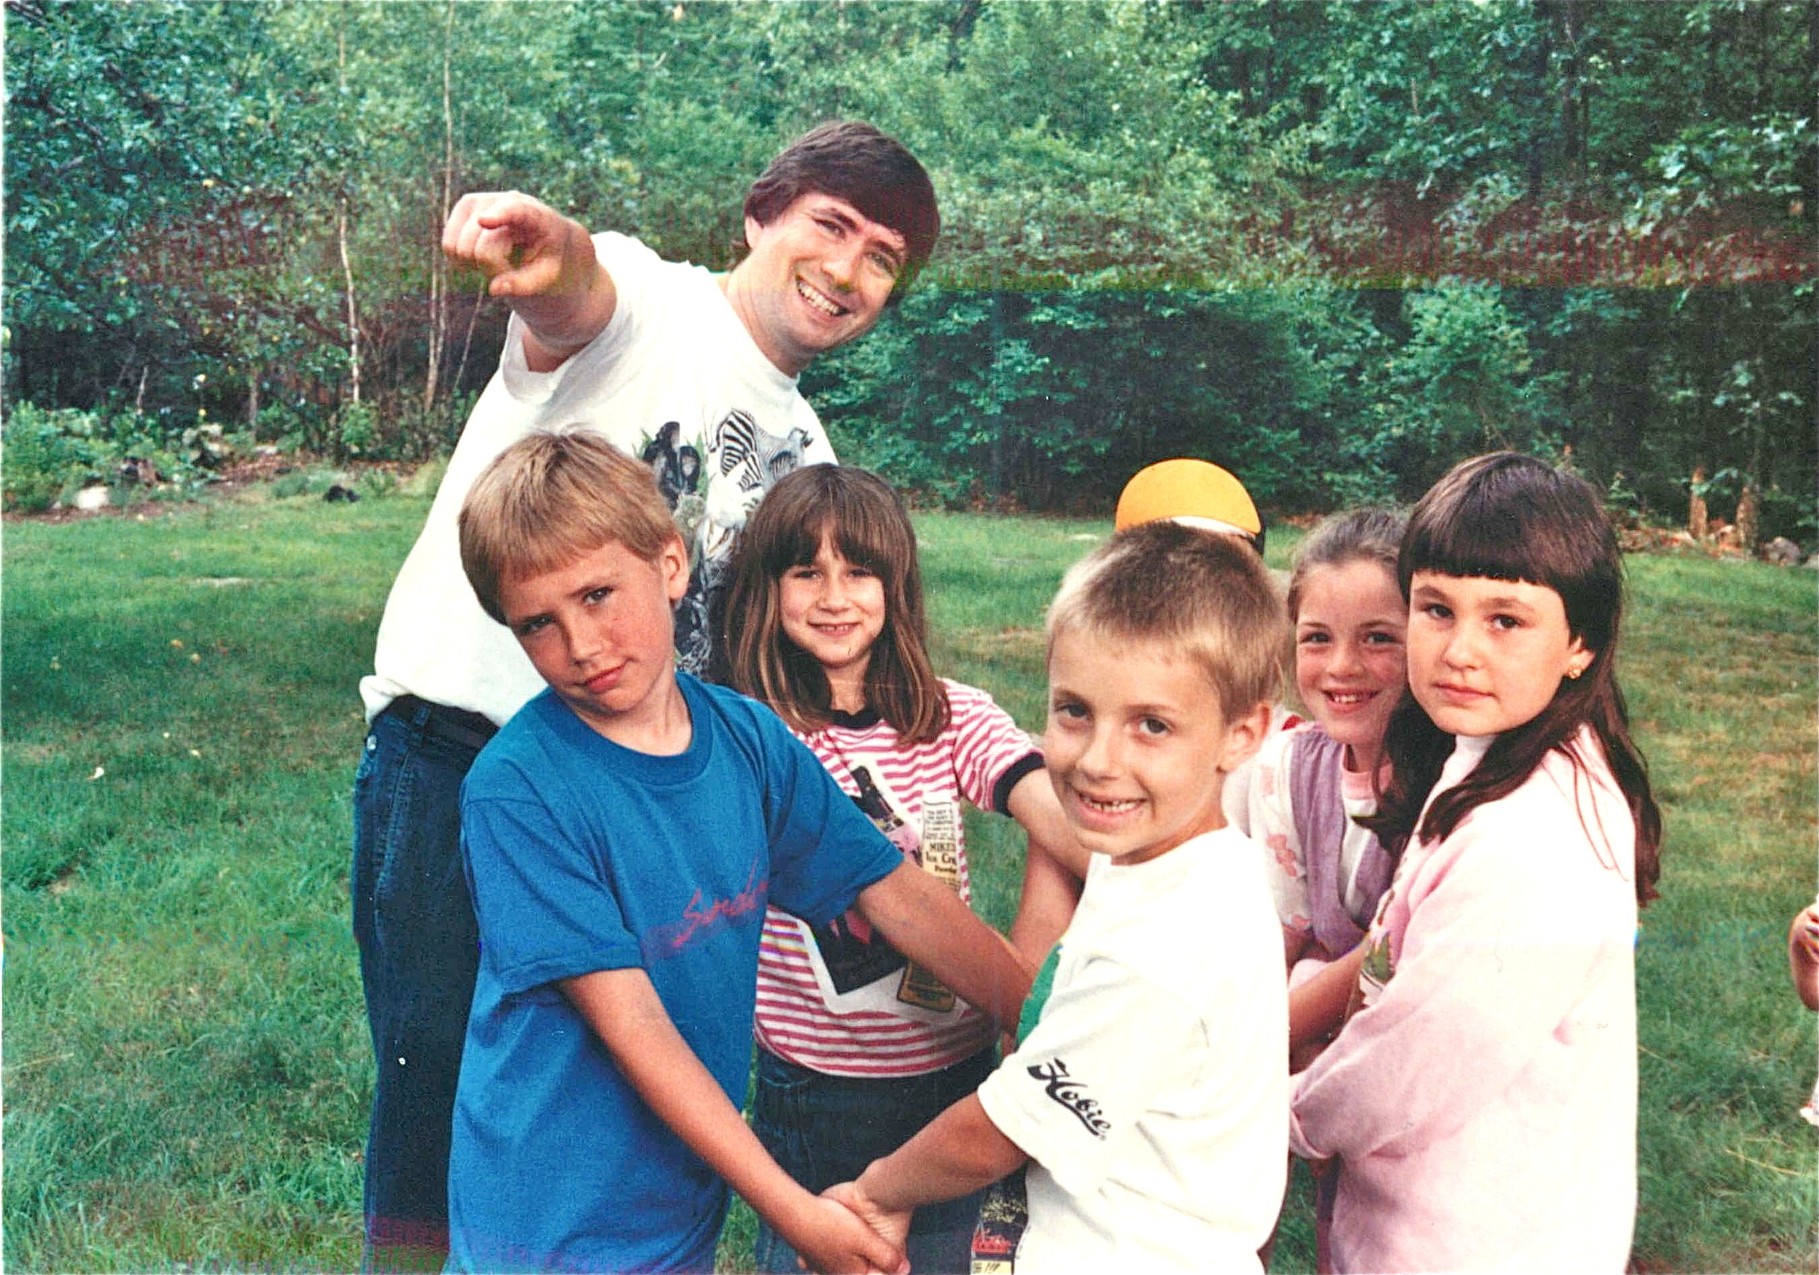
[358,428]
[295,483]
[43,456]
[1053,399]
[426,478]
[51,452]
[376,483]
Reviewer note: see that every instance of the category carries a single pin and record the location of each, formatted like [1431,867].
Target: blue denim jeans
[825,1129]
[419,950]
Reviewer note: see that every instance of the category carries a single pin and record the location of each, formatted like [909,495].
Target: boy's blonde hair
[548,499]
[1207,597]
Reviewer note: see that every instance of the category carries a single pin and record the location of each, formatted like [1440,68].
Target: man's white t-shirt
[674,379]
[1152,1093]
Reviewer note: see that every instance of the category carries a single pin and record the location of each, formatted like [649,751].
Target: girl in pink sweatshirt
[1481,1101]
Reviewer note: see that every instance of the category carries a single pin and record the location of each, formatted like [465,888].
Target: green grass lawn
[186,1065]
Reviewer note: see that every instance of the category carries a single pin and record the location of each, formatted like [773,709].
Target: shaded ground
[236,475]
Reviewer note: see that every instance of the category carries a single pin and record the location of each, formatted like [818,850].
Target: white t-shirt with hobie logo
[1152,1093]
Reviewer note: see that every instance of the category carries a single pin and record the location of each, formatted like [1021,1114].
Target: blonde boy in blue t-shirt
[622,835]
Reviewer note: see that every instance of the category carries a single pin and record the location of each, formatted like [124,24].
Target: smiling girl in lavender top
[1326,871]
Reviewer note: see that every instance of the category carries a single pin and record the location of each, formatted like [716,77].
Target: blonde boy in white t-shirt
[1149,1097]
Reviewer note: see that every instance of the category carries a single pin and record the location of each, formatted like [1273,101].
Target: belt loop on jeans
[453,725]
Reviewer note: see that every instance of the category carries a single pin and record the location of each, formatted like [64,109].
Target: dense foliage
[1333,246]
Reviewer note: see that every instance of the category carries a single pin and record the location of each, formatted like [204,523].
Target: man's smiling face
[818,276]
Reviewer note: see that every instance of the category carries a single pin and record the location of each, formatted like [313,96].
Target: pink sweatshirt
[1483,1103]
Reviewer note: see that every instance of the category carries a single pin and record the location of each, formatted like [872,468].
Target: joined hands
[838,1248]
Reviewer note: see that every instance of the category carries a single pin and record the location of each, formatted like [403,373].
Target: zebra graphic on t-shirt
[744,460]
[753,458]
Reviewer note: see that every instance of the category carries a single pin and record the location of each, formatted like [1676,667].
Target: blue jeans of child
[825,1129]
[419,950]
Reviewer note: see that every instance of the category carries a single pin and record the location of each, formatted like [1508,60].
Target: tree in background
[158,168]
[1330,245]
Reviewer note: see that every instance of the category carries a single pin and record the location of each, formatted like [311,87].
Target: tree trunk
[1572,146]
[353,313]
[347,266]
[1748,502]
[438,279]
[1747,517]
[467,343]
[997,331]
[1542,61]
[1698,521]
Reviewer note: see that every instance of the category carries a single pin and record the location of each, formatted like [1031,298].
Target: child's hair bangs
[1506,516]
[857,510]
[793,544]
[1204,594]
[866,525]
[872,542]
[551,498]
[1369,533]
[1474,536]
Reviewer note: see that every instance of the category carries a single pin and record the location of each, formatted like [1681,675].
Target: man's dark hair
[874,173]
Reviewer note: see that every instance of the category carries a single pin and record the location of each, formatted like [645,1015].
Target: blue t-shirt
[584,855]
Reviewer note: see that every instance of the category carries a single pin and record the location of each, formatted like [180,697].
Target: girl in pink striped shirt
[1481,1101]
[857,1048]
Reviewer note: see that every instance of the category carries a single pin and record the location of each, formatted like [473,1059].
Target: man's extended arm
[541,263]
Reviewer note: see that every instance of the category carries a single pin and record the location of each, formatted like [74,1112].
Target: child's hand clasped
[891,1225]
[843,1238]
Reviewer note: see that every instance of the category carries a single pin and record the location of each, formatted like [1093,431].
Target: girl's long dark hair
[1511,517]
[871,528]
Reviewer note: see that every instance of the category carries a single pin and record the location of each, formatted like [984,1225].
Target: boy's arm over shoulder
[1032,803]
[1046,904]
[623,1009]
[1054,867]
[991,754]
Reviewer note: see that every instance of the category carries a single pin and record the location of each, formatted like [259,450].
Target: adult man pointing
[693,371]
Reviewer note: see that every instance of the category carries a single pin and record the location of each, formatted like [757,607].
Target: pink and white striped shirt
[838,1002]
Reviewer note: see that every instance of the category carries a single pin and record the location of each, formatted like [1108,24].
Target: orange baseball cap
[1196,493]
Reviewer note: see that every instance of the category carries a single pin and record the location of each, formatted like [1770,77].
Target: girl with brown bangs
[858,1049]
[1480,1103]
